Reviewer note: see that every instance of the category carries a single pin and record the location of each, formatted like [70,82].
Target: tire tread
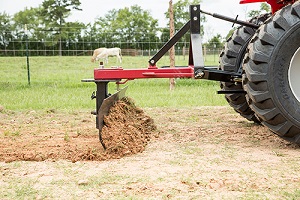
[256,75]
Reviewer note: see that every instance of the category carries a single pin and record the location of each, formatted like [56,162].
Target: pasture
[201,149]
[56,84]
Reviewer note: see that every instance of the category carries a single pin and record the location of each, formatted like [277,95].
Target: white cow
[96,53]
[110,52]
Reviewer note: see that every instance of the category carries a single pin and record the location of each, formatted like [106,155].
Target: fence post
[172,49]
[27,55]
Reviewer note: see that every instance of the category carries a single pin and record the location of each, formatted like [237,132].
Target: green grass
[56,84]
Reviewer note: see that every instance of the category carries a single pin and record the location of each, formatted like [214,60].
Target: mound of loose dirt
[127,129]
[32,137]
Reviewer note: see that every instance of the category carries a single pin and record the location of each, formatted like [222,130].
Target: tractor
[259,68]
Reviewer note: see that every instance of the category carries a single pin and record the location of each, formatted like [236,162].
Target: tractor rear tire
[231,59]
[272,70]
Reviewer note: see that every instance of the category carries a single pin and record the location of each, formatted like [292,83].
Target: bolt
[195,18]
[152,61]
[199,74]
[195,8]
[237,79]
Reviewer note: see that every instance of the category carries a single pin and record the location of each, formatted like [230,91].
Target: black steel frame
[195,50]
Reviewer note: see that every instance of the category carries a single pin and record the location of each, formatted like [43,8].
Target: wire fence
[41,43]
[86,49]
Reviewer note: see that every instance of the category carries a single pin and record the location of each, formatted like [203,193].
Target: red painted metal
[150,72]
[251,1]
[275,4]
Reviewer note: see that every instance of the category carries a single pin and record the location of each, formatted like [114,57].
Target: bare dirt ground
[199,153]
[52,137]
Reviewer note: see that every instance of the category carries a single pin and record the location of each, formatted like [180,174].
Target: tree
[29,17]
[229,34]
[5,27]
[55,13]
[131,27]
[101,30]
[264,8]
[182,13]
[181,16]
[215,42]
[71,34]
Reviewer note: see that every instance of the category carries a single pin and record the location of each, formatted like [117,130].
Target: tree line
[47,28]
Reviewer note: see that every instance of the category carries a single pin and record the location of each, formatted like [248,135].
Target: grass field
[56,84]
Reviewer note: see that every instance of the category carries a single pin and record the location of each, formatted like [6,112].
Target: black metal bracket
[195,52]
[100,94]
[217,75]
[167,46]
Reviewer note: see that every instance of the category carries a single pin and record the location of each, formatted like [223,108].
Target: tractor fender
[273,3]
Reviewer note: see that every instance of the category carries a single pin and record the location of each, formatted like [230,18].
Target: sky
[93,9]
